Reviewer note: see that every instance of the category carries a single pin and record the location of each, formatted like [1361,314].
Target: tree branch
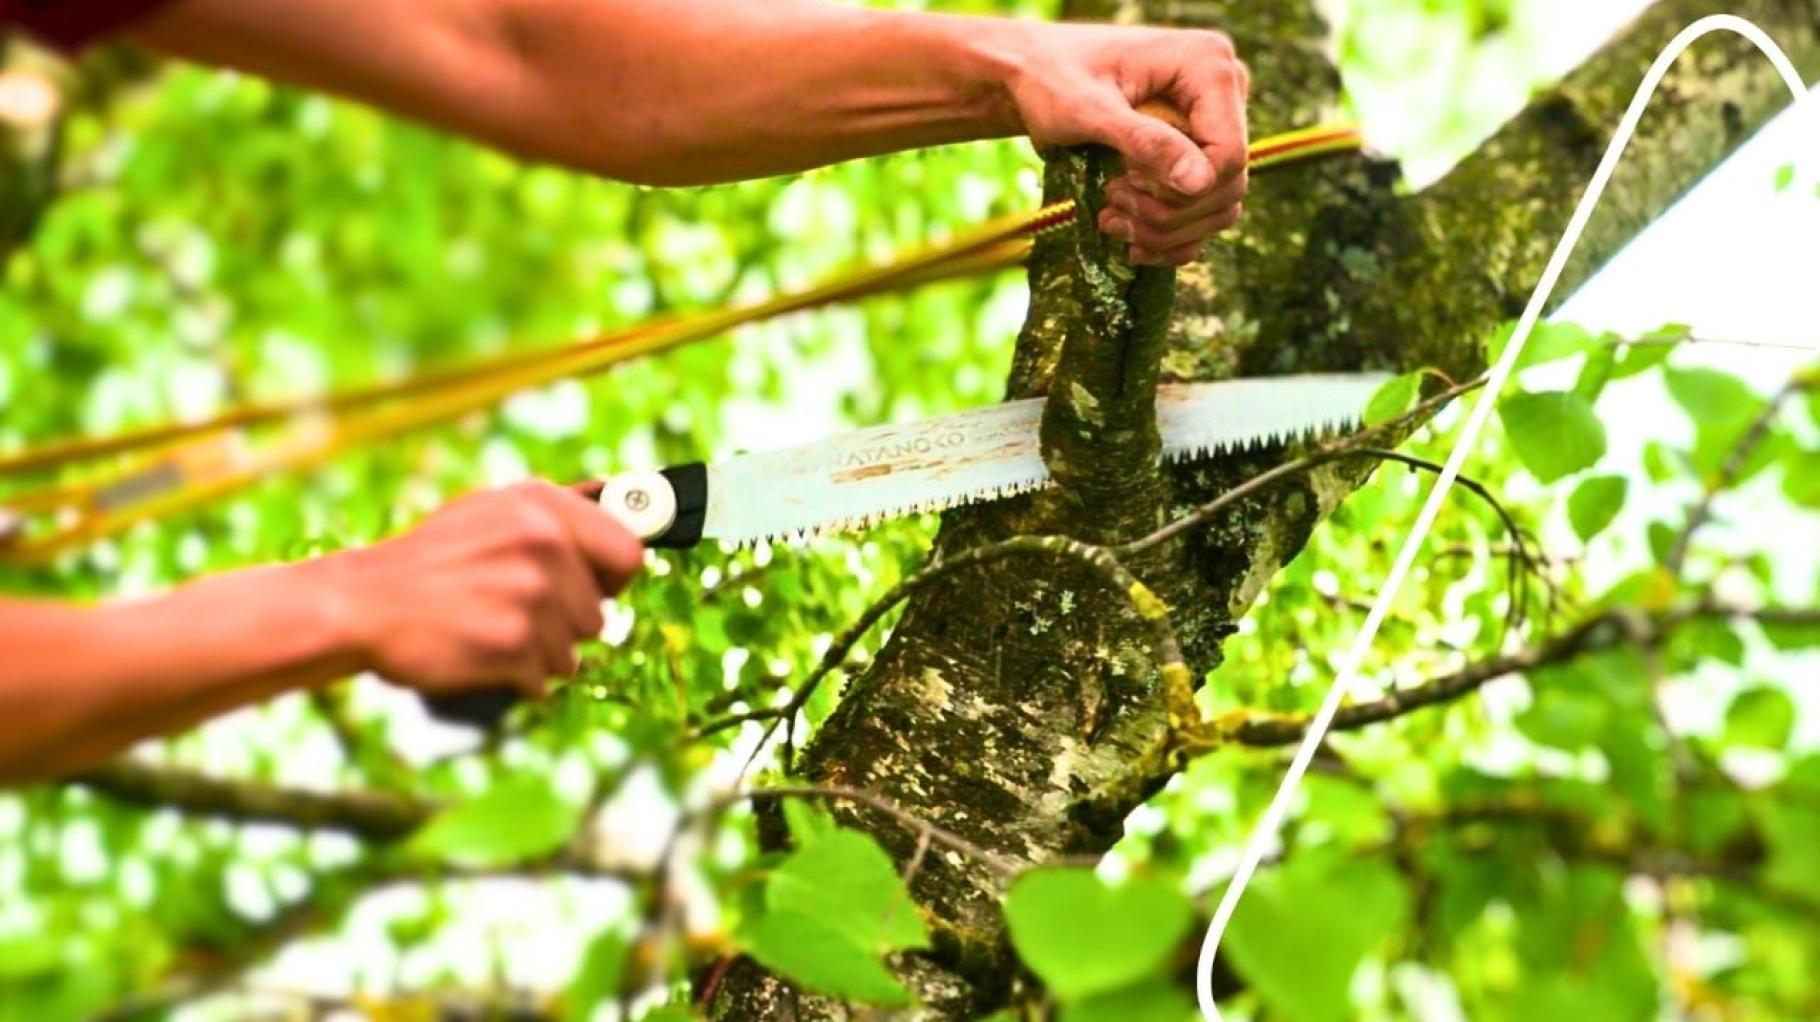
[373,815]
[1510,201]
[1603,631]
[1098,431]
[1250,727]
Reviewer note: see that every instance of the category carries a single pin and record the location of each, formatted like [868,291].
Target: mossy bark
[1010,700]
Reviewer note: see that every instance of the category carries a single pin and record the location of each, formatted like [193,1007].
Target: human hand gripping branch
[497,588]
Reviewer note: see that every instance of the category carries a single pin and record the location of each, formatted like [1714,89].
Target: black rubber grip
[690,484]
[483,708]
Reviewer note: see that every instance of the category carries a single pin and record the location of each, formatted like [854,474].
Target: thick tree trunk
[1016,704]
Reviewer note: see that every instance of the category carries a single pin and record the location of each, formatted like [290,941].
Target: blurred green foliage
[1562,847]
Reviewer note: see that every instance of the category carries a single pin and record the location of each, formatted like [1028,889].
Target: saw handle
[483,709]
[666,510]
[1166,112]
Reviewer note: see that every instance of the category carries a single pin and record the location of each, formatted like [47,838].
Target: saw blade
[858,479]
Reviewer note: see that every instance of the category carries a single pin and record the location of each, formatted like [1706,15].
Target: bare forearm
[720,89]
[653,91]
[698,91]
[80,684]
[494,589]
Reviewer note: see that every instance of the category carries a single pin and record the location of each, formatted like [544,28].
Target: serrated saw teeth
[853,482]
[870,519]
[1182,449]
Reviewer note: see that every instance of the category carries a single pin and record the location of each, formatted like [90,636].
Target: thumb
[1157,151]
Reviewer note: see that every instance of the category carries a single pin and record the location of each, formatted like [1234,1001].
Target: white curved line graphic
[1268,828]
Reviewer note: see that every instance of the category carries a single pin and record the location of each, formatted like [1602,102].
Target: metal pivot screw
[643,502]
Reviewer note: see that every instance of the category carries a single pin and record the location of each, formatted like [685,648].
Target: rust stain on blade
[935,466]
[854,475]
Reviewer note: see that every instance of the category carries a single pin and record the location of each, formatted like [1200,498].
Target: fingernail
[1192,174]
[1119,227]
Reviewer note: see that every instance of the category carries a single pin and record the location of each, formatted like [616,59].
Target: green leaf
[1396,397]
[1712,398]
[598,978]
[1155,1001]
[417,928]
[1785,176]
[821,958]
[519,818]
[1549,342]
[1707,638]
[844,881]
[1598,969]
[1554,433]
[1640,773]
[1661,537]
[1619,674]
[1597,372]
[1084,936]
[807,822]
[1763,717]
[1303,929]
[1594,503]
[1660,462]
[1716,818]
[27,956]
[1631,588]
[1649,351]
[1791,822]
[1801,477]
[1563,719]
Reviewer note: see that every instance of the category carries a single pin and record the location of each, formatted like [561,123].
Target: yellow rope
[190,464]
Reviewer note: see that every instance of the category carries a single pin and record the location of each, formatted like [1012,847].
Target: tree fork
[994,710]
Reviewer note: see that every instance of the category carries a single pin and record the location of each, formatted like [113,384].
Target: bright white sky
[1733,260]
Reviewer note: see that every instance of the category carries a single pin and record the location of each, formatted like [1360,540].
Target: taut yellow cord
[180,466]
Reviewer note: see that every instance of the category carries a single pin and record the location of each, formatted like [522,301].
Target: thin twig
[923,829]
[1341,449]
[1740,342]
[1701,512]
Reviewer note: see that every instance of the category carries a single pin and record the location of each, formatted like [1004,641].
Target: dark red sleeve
[71,24]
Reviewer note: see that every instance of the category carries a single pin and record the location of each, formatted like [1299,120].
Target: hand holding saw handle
[663,509]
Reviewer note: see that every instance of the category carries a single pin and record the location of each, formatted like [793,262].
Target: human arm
[494,589]
[659,92]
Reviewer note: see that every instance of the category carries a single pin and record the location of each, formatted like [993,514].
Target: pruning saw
[855,480]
